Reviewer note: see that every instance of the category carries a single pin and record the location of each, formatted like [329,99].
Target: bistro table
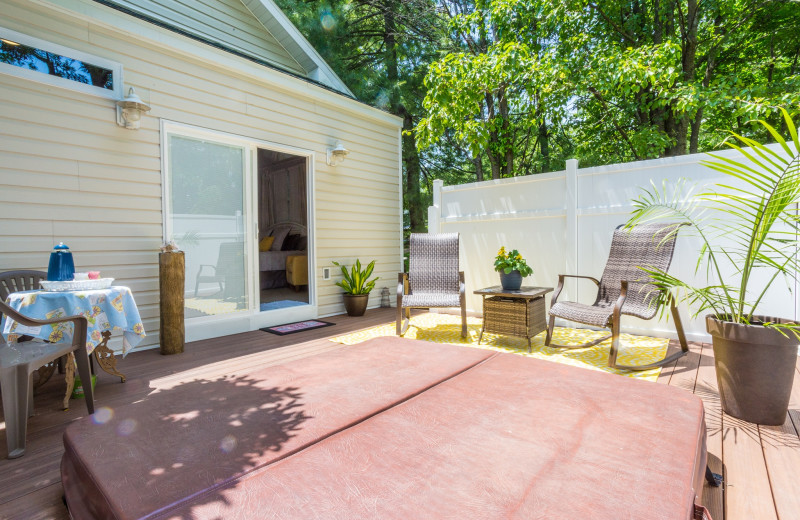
[514,313]
[107,310]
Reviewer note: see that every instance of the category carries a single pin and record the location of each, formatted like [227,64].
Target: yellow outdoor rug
[446,328]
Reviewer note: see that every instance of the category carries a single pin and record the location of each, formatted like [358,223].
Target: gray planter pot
[511,281]
[755,369]
[356,304]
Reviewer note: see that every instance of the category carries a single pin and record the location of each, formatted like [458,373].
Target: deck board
[759,463]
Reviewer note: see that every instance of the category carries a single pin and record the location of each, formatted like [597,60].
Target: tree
[381,49]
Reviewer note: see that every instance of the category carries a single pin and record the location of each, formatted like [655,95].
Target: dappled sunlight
[446,328]
[208,431]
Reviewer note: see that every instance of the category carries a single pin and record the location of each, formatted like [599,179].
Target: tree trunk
[507,135]
[478,168]
[416,213]
[494,160]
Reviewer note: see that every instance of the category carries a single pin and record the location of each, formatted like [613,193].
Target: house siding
[226,22]
[69,173]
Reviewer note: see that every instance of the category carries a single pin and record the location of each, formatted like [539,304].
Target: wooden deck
[760,463]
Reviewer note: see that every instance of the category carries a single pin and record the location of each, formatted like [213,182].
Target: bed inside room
[283,232]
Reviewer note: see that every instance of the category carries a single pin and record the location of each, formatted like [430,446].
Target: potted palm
[357,286]
[748,228]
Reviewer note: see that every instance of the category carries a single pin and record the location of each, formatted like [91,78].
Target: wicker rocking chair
[624,289]
[433,278]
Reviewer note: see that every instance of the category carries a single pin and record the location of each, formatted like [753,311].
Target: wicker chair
[624,289]
[433,278]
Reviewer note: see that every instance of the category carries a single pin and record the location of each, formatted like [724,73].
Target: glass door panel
[206,214]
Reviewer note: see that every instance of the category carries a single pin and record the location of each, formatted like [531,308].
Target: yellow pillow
[266,243]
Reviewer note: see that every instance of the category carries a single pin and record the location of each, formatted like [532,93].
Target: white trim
[323,70]
[139,30]
[251,318]
[56,81]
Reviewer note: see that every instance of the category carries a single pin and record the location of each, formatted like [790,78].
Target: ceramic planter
[356,304]
[755,369]
[511,281]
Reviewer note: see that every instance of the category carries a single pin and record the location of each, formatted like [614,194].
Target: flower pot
[356,304]
[511,281]
[755,368]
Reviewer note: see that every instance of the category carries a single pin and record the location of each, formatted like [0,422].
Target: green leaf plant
[355,280]
[507,262]
[747,225]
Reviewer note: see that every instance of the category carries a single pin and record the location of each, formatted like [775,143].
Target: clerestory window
[38,60]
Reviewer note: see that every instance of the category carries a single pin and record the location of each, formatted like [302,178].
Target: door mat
[299,326]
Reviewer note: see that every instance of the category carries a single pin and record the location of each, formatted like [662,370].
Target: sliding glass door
[240,210]
[206,212]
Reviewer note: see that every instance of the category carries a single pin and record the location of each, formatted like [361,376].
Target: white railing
[562,222]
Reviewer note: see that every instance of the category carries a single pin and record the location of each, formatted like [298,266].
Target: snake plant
[355,280]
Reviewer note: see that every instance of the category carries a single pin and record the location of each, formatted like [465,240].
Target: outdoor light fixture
[130,110]
[337,154]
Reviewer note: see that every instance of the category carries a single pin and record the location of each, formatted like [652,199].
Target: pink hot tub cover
[395,428]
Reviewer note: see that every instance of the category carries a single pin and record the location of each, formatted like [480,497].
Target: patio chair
[433,278]
[28,280]
[229,264]
[23,280]
[624,289]
[18,361]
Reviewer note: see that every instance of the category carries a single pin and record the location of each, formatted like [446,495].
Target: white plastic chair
[18,361]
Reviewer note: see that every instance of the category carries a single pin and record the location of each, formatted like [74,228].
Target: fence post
[572,225]
[435,211]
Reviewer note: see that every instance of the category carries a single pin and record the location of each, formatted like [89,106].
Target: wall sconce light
[337,154]
[130,110]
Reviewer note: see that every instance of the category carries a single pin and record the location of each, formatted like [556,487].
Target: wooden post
[171,277]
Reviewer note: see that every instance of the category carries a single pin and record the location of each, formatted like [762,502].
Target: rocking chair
[624,289]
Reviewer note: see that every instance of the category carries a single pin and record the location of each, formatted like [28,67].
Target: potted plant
[747,226]
[356,287]
[512,268]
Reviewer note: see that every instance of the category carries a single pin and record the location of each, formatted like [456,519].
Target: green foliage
[355,280]
[756,221]
[511,261]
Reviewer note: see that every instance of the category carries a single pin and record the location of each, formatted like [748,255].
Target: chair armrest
[402,288]
[80,323]
[560,285]
[623,295]
[200,271]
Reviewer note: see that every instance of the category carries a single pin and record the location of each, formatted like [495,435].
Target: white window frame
[41,77]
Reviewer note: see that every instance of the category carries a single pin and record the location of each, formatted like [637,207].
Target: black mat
[298,326]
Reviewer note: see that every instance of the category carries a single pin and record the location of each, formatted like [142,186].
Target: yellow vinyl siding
[68,172]
[227,22]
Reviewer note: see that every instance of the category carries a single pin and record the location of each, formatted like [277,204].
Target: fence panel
[562,222]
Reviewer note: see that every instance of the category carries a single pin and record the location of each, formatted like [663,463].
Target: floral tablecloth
[111,309]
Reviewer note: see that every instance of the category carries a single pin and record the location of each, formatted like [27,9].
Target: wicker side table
[514,313]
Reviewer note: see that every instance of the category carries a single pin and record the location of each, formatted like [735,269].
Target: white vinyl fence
[562,222]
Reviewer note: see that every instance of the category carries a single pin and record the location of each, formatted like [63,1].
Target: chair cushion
[586,314]
[431,300]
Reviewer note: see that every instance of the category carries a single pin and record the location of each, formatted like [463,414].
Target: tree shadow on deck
[189,438]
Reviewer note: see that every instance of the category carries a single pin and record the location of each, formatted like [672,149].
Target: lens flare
[103,415]
[126,427]
[327,20]
[228,443]
[382,99]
